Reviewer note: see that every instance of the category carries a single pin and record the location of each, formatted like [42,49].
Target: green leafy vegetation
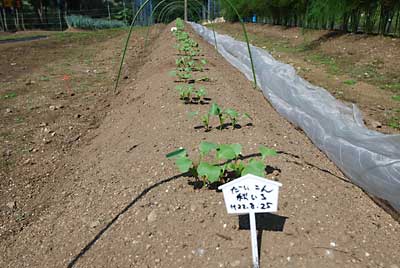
[222,114]
[395,87]
[186,64]
[394,122]
[88,23]
[396,97]
[220,162]
[329,62]
[350,82]
[10,95]
[189,94]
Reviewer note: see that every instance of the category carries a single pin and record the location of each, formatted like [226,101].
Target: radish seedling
[189,94]
[234,115]
[185,92]
[215,171]
[217,111]
[181,75]
[200,93]
[206,121]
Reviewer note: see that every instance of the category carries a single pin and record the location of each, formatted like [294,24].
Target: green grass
[325,60]
[394,122]
[350,82]
[84,22]
[395,87]
[18,36]
[10,95]
[98,35]
[19,120]
[367,72]
[44,78]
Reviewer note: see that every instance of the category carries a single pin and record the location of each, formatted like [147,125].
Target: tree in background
[370,16]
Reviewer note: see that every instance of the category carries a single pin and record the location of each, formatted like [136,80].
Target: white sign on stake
[251,194]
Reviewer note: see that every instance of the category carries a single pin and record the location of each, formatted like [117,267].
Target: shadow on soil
[264,221]
[109,225]
[22,39]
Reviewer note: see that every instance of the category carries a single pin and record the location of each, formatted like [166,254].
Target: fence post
[22,20]
[123,3]
[108,8]
[5,19]
[185,12]
[1,20]
[59,18]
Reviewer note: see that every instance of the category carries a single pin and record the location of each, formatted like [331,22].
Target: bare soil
[361,69]
[114,200]
[53,94]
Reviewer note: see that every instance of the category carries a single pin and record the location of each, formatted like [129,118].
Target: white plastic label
[251,193]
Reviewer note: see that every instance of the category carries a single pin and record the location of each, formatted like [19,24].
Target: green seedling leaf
[265,151]
[10,95]
[230,166]
[237,148]
[184,164]
[206,147]
[204,79]
[201,92]
[226,151]
[210,172]
[247,115]
[232,113]
[215,109]
[396,97]
[254,167]
[236,167]
[181,152]
[206,121]
[203,61]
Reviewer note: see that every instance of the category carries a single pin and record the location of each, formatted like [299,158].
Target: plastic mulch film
[369,158]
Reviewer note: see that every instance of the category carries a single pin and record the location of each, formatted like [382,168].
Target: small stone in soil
[199,252]
[152,217]
[376,124]
[11,205]
[94,224]
[235,263]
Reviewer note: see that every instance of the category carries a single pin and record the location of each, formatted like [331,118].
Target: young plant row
[223,115]
[226,162]
[216,163]
[187,64]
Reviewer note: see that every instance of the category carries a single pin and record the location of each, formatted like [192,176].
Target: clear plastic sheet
[369,158]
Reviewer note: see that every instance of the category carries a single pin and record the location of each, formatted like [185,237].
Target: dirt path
[125,205]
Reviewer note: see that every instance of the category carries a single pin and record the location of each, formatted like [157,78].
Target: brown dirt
[370,62]
[49,117]
[122,204]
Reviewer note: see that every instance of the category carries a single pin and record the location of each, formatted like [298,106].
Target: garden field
[85,181]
